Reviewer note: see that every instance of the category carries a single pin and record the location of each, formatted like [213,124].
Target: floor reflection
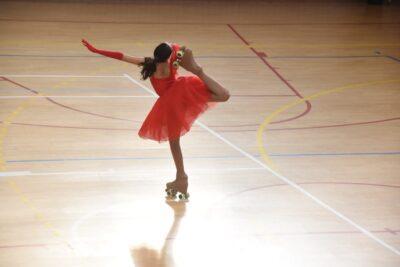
[145,256]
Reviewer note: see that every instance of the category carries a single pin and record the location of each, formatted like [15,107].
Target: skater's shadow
[149,257]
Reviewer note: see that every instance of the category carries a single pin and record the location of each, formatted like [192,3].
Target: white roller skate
[177,189]
[188,63]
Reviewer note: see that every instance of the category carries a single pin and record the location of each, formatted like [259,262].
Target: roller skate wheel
[171,193]
[180,54]
[183,196]
[175,64]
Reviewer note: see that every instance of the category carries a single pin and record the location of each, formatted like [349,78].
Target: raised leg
[218,92]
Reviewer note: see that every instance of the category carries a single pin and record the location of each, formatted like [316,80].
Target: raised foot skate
[188,63]
[175,189]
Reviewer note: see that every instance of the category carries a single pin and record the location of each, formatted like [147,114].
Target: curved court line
[286,82]
[222,130]
[14,186]
[69,107]
[72,127]
[385,230]
[317,126]
[269,118]
[122,119]
[235,194]
[290,182]
[302,128]
[11,183]
[307,110]
[312,183]
[116,158]
[335,125]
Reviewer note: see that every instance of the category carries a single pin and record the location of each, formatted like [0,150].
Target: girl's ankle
[181,177]
[199,72]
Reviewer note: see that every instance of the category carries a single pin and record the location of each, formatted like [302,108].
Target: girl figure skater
[181,100]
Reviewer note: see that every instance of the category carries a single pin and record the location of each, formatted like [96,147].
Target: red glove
[116,55]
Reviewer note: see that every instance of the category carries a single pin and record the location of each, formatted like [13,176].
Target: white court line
[12,174]
[140,85]
[60,76]
[75,96]
[286,180]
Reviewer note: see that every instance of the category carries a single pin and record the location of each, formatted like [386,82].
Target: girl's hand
[89,46]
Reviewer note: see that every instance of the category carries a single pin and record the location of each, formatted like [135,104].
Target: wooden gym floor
[300,168]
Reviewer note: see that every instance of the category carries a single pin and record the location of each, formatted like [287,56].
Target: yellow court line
[11,117]
[4,129]
[13,184]
[269,118]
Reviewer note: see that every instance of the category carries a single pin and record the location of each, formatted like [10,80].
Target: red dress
[181,100]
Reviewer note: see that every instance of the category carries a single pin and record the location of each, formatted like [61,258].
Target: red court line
[310,183]
[288,84]
[335,125]
[72,127]
[116,118]
[222,130]
[68,107]
[310,127]
[266,63]
[308,108]
[386,230]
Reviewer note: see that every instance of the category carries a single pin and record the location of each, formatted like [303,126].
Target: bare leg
[181,181]
[218,92]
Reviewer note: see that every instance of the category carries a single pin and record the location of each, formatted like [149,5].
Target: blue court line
[295,155]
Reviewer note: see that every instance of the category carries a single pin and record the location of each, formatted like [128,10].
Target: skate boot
[188,63]
[177,188]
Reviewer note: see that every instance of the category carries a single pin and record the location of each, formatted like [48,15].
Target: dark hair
[161,54]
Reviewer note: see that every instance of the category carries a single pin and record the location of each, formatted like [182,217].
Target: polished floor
[300,168]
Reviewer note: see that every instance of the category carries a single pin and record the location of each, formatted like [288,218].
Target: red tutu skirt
[176,109]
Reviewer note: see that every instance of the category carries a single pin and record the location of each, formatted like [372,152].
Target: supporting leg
[178,158]
[181,182]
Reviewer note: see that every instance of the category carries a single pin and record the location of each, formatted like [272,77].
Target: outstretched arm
[113,54]
[133,60]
